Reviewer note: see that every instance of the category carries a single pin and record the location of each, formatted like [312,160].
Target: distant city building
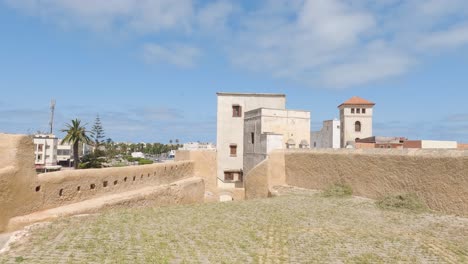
[64,154]
[356,120]
[138,155]
[430,144]
[198,146]
[266,129]
[45,152]
[380,142]
[328,136]
[230,131]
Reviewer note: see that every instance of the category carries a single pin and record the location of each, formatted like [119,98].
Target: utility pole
[52,110]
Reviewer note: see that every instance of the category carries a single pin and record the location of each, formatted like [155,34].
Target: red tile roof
[355,100]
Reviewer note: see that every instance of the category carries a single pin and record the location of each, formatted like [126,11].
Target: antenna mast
[52,110]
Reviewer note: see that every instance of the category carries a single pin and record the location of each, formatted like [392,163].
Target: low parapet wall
[439,177]
[23,192]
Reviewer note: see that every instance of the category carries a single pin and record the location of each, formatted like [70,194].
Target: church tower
[355,120]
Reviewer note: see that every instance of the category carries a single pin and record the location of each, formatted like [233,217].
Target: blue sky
[151,69]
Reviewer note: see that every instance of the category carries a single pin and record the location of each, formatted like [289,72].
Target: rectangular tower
[230,131]
[356,120]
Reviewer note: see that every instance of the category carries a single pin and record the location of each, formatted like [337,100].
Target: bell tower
[355,120]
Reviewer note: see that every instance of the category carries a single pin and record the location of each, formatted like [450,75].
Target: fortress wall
[17,174]
[71,186]
[205,165]
[438,177]
[23,192]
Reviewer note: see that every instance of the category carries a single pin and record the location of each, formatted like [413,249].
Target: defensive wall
[438,177]
[23,193]
[205,166]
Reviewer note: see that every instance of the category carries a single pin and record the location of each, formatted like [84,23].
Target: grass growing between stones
[408,202]
[299,226]
[338,190]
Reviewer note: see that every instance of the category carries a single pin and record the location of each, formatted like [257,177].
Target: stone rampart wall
[438,177]
[23,192]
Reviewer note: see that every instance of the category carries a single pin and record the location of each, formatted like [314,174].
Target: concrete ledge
[181,192]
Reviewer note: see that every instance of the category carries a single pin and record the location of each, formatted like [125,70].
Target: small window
[252,138]
[357,126]
[92,186]
[352,110]
[228,176]
[40,147]
[363,110]
[233,150]
[104,184]
[358,110]
[236,111]
[38,188]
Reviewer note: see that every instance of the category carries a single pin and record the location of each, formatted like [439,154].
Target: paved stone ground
[299,226]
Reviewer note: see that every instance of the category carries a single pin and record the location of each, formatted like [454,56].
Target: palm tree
[76,133]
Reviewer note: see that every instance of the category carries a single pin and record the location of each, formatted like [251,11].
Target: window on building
[233,176]
[358,110]
[352,110]
[40,147]
[357,126]
[233,150]
[47,147]
[236,111]
[39,157]
[363,110]
[252,138]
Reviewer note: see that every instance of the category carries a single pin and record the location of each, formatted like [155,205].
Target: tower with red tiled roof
[355,120]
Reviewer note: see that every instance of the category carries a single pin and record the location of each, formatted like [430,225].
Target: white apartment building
[355,120]
[328,137]
[64,154]
[45,150]
[231,108]
[266,129]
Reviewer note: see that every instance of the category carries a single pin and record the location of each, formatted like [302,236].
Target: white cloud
[215,15]
[324,43]
[177,54]
[345,43]
[141,15]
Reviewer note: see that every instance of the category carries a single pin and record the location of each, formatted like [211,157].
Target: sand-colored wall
[23,192]
[17,175]
[438,177]
[205,165]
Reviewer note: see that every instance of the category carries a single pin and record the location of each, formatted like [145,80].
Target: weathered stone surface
[438,177]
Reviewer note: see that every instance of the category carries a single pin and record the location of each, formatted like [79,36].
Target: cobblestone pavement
[297,227]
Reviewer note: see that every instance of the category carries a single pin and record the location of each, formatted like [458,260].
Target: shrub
[144,161]
[408,201]
[338,190]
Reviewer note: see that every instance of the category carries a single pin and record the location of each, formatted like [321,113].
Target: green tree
[76,134]
[97,133]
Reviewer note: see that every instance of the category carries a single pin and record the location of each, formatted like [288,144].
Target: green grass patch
[338,190]
[408,201]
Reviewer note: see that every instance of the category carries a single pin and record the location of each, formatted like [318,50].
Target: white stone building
[266,129]
[355,120]
[45,151]
[230,132]
[64,154]
[328,137]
